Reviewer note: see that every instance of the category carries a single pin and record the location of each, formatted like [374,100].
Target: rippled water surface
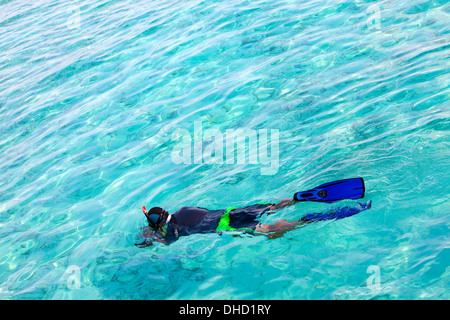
[92,94]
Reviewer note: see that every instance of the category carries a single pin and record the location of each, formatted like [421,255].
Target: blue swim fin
[337,213]
[334,191]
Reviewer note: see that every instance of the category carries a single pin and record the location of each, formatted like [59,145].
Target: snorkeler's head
[156,217]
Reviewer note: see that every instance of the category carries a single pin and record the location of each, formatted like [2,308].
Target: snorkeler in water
[168,228]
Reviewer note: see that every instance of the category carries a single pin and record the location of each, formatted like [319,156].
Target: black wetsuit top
[190,220]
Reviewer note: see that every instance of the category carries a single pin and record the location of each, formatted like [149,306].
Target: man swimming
[167,228]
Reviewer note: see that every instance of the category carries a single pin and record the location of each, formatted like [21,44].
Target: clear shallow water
[92,91]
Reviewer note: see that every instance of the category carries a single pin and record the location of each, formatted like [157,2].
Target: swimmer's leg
[277,229]
[282,204]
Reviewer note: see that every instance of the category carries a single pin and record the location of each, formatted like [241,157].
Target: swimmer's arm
[149,234]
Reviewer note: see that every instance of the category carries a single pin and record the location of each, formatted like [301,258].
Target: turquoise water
[92,93]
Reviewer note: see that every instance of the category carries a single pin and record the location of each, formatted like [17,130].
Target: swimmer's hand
[144,244]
